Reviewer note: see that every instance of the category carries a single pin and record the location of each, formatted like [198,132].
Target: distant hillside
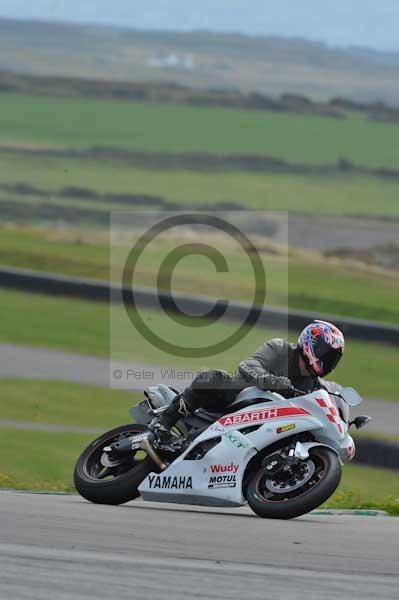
[101,89]
[272,66]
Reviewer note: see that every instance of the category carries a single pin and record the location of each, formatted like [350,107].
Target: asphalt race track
[61,548]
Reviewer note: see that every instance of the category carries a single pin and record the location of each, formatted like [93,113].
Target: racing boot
[163,423]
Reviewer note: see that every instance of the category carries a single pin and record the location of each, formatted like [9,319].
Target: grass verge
[39,460]
[63,403]
[367,487]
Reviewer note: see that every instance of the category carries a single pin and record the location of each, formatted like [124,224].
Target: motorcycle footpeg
[170,446]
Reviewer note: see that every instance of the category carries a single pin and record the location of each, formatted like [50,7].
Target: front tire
[116,485]
[280,504]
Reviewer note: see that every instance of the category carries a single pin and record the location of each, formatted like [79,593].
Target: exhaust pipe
[145,444]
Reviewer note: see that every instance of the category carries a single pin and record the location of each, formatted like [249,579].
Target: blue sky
[372,23]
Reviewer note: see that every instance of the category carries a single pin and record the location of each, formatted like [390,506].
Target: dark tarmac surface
[61,547]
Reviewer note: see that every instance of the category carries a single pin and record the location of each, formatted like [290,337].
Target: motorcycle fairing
[216,479]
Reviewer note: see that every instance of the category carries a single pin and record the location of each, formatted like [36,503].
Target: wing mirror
[360,421]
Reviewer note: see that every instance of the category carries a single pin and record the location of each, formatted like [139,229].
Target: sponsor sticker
[222,481]
[230,468]
[262,415]
[218,428]
[137,439]
[237,441]
[169,482]
[285,428]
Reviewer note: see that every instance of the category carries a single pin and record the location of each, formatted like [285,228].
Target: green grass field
[336,195]
[367,487]
[146,126]
[83,327]
[62,403]
[25,463]
[53,403]
[363,292]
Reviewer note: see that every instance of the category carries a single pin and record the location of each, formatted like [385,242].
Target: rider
[277,366]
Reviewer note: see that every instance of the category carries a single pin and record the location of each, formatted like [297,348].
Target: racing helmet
[321,345]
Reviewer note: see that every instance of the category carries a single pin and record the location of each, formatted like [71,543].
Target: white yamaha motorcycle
[282,457]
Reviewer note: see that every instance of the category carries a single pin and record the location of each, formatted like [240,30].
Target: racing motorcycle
[282,457]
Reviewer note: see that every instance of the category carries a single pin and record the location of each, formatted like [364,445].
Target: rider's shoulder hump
[277,343]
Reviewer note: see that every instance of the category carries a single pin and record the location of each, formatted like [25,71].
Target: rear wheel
[114,484]
[295,490]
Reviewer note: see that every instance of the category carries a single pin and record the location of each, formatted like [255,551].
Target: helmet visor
[328,356]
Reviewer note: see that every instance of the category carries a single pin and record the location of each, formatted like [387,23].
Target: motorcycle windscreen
[351,396]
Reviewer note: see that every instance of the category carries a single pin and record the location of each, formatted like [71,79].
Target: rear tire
[122,487]
[276,506]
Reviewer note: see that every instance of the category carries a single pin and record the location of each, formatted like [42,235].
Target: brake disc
[282,487]
[107,461]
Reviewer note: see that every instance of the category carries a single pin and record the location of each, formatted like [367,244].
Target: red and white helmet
[321,345]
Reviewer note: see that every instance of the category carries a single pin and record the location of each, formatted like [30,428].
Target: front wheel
[112,484]
[295,491]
